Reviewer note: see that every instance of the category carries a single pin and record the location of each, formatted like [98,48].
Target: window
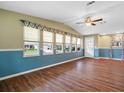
[59,43]
[31,41]
[117,41]
[78,44]
[47,43]
[73,44]
[67,44]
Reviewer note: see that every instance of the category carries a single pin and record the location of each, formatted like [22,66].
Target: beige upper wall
[104,41]
[11,29]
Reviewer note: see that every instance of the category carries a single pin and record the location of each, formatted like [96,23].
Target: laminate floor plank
[86,74]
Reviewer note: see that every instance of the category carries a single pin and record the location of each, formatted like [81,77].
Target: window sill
[48,54]
[59,53]
[30,56]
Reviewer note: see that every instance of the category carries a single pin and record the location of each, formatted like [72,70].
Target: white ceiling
[70,12]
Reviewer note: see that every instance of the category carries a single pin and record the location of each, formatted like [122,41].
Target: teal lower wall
[96,52]
[12,62]
[104,53]
[116,53]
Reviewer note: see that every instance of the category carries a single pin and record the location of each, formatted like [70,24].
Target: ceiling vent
[90,3]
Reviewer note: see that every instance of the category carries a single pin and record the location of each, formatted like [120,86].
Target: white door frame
[93,50]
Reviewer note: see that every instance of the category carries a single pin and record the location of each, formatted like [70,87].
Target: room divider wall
[117,46]
[108,46]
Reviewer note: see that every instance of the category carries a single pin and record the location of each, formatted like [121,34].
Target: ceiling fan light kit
[90,22]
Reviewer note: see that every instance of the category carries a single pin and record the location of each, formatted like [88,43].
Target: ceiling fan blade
[97,20]
[79,22]
[72,19]
[93,24]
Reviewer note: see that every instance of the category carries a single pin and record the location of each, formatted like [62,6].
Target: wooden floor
[81,75]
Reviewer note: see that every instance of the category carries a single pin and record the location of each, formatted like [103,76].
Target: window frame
[24,41]
[49,52]
[78,44]
[59,43]
[75,44]
[62,48]
[52,43]
[67,44]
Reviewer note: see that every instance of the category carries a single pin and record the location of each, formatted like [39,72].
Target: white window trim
[79,45]
[48,42]
[68,43]
[75,48]
[48,53]
[80,48]
[69,49]
[61,43]
[62,48]
[30,41]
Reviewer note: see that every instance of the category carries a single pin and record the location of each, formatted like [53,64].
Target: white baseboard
[109,58]
[117,59]
[29,71]
[105,58]
[89,57]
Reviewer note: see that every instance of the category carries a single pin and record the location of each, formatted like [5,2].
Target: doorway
[89,46]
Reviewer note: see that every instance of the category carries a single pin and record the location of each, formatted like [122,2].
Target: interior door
[117,46]
[89,46]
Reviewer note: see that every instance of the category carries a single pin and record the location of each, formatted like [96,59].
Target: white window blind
[78,41]
[59,38]
[47,36]
[31,34]
[67,39]
[73,40]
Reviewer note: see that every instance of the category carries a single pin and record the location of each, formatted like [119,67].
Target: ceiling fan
[88,21]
